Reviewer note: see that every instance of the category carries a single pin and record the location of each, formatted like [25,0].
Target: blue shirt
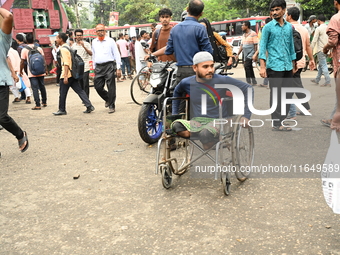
[278,41]
[105,51]
[5,74]
[186,39]
[195,89]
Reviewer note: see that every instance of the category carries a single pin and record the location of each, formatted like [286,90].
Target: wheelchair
[234,151]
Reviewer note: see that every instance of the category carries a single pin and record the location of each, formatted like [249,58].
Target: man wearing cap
[186,39]
[203,85]
[310,26]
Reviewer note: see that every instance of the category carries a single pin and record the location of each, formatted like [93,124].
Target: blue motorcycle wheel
[150,125]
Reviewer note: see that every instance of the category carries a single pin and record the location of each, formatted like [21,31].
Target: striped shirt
[249,40]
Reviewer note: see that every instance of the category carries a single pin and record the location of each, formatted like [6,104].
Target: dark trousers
[298,84]
[5,120]
[279,80]
[63,90]
[37,83]
[126,63]
[248,68]
[85,83]
[183,72]
[105,73]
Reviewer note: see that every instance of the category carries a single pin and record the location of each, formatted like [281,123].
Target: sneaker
[314,81]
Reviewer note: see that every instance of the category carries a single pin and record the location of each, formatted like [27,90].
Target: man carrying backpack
[66,78]
[36,68]
[293,15]
[160,36]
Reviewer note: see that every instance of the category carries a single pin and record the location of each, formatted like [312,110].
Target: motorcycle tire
[150,124]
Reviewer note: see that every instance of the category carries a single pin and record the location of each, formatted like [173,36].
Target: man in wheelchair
[205,101]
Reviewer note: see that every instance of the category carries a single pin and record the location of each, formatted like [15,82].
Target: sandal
[36,108]
[16,100]
[281,128]
[326,123]
[28,101]
[22,141]
[44,105]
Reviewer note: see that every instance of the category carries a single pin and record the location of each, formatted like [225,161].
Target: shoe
[1,128]
[44,105]
[89,109]
[36,108]
[16,100]
[112,110]
[325,122]
[281,128]
[314,81]
[326,85]
[124,78]
[60,113]
[107,104]
[28,100]
[130,77]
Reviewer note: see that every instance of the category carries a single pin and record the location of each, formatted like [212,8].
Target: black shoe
[107,104]
[60,113]
[112,110]
[1,128]
[89,109]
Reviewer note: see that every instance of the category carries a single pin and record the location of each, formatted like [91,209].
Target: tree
[177,7]
[70,15]
[84,18]
[316,7]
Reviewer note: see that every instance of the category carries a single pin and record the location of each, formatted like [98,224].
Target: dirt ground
[118,205]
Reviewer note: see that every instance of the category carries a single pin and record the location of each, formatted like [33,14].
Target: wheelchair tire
[140,88]
[166,176]
[180,150]
[225,178]
[243,151]
[150,124]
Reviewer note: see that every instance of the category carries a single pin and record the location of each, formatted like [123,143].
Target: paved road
[118,205]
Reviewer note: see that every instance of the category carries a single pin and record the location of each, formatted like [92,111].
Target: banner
[113,21]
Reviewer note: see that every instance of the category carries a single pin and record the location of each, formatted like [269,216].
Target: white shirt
[320,37]
[105,51]
[83,54]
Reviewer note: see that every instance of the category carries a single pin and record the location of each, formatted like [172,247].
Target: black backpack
[157,32]
[77,69]
[297,44]
[219,52]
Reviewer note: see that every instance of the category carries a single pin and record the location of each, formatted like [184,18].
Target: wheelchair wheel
[180,152]
[166,175]
[243,151]
[140,87]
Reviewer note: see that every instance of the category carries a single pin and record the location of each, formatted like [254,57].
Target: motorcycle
[163,81]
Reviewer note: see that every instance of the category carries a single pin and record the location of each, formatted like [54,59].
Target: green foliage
[84,18]
[177,7]
[70,15]
[316,7]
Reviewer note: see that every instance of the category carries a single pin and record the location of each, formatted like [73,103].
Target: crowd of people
[118,60]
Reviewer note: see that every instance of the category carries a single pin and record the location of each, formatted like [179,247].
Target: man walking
[66,79]
[249,47]
[333,32]
[186,39]
[37,80]
[293,15]
[277,40]
[106,59]
[123,47]
[320,40]
[7,79]
[83,49]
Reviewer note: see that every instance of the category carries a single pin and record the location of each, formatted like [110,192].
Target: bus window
[238,29]
[223,27]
